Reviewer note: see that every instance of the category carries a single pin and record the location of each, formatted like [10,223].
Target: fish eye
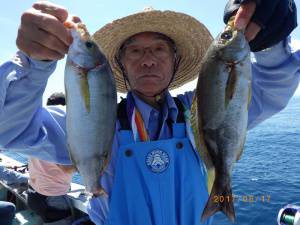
[226,35]
[89,44]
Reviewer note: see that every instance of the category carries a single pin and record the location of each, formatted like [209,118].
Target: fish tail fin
[220,199]
[94,193]
[100,191]
[95,189]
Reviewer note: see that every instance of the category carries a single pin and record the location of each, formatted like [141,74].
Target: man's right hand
[42,35]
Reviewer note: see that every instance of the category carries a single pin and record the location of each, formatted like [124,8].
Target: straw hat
[191,38]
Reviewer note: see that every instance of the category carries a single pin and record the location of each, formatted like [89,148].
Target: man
[154,175]
[7,212]
[57,98]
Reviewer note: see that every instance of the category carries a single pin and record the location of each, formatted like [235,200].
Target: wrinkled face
[148,60]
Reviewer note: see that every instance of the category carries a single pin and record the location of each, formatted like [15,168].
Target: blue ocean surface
[267,177]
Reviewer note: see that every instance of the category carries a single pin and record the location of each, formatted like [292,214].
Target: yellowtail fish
[219,115]
[91,105]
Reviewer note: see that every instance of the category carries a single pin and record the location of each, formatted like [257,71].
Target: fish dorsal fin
[200,143]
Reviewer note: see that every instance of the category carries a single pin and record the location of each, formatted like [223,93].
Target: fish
[91,108]
[219,115]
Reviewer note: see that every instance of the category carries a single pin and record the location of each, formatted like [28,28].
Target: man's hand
[42,35]
[266,22]
[243,20]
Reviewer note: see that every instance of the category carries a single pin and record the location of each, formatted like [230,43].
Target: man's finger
[37,51]
[46,39]
[244,14]
[48,23]
[251,31]
[55,10]
[74,19]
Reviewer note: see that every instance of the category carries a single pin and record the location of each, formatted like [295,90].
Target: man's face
[148,61]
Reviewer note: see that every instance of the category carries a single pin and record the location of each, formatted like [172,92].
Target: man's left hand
[243,20]
[266,22]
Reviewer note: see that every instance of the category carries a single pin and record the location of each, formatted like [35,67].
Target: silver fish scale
[222,98]
[90,127]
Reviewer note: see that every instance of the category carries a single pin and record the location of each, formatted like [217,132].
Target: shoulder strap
[124,122]
[180,117]
[122,115]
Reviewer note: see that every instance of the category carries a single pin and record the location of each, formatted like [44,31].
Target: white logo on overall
[157,161]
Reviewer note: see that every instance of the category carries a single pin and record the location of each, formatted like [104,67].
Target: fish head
[83,51]
[232,46]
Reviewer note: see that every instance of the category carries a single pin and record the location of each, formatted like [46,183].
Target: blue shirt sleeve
[26,126]
[11,176]
[275,78]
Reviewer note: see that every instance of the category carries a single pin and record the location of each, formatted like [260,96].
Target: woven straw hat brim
[191,37]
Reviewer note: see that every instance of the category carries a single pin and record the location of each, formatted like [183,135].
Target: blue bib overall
[158,182]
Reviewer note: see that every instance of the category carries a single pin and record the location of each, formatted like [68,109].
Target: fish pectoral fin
[85,91]
[231,84]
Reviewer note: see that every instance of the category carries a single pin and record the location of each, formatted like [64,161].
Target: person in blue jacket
[154,177]
[7,209]
[7,212]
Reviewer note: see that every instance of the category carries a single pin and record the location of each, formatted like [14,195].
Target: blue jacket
[11,176]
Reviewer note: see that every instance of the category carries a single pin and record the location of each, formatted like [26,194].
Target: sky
[97,13]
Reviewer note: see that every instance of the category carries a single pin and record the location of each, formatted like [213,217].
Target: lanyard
[138,127]
[139,130]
